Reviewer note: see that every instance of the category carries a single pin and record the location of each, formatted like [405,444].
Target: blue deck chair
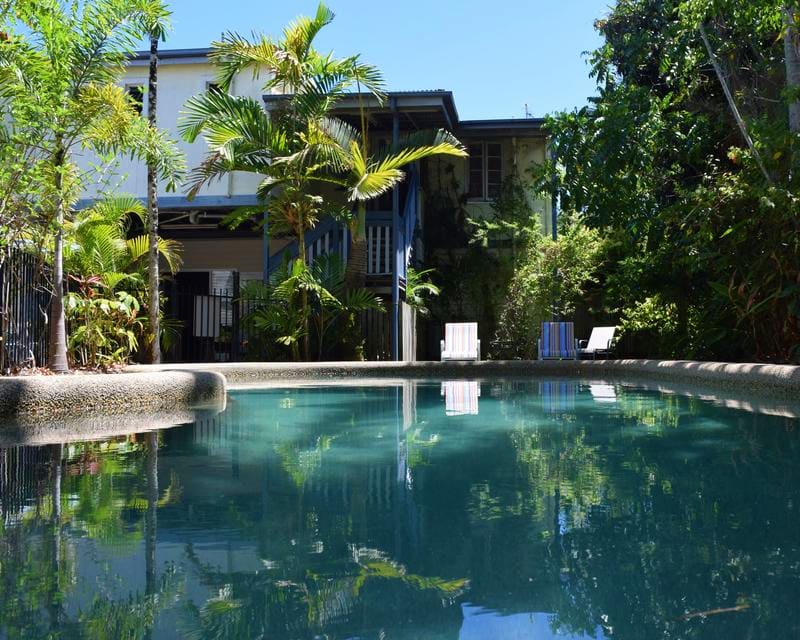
[557,341]
[557,397]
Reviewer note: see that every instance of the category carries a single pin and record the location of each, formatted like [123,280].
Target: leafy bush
[105,324]
[550,278]
[279,318]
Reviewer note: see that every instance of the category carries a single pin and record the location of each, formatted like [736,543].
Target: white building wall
[519,154]
[178,80]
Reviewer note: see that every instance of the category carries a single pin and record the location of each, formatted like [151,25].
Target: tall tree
[302,134]
[702,225]
[156,25]
[66,64]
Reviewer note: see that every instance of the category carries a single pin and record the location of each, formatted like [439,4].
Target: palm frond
[419,145]
[373,184]
[225,119]
[240,215]
[358,300]
[170,250]
[234,53]
[109,33]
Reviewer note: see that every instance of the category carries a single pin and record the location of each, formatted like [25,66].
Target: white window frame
[484,197]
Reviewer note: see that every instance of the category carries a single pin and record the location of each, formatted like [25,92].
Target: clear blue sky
[495,56]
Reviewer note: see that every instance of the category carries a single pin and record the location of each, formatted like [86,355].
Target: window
[136,95]
[485,170]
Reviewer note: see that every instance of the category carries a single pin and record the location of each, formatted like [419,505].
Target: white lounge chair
[603,392]
[461,341]
[598,344]
[461,397]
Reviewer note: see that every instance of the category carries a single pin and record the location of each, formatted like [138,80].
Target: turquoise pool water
[450,510]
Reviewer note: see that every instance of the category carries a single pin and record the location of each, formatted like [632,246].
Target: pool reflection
[561,510]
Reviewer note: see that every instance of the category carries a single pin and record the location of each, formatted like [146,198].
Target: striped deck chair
[461,341]
[557,397]
[557,341]
[461,397]
[603,392]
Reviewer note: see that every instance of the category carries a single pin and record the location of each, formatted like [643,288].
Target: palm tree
[242,137]
[61,84]
[301,138]
[345,151]
[156,25]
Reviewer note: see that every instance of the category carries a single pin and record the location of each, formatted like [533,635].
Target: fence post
[235,318]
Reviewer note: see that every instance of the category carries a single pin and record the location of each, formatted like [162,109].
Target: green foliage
[60,67]
[104,329]
[513,221]
[657,163]
[110,270]
[550,278]
[419,288]
[654,321]
[300,145]
[306,302]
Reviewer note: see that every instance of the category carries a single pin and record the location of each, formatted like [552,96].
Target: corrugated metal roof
[509,124]
[167,54]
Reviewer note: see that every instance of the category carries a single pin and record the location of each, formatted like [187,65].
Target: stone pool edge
[780,380]
[32,406]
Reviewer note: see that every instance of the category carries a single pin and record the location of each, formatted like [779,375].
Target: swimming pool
[455,509]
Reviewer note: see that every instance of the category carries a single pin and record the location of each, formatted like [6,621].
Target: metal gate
[24,306]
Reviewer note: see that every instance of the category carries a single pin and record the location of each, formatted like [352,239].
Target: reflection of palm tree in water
[151,518]
[55,600]
[41,547]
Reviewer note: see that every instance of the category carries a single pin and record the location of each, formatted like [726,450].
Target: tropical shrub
[550,279]
[109,271]
[105,325]
[306,302]
[419,289]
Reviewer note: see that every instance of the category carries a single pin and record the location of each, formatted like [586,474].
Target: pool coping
[37,409]
[42,408]
[780,380]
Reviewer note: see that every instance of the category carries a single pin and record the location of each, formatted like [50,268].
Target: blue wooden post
[335,233]
[265,249]
[398,249]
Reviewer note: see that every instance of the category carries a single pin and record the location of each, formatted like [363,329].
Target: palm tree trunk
[356,272]
[154,306]
[301,255]
[57,360]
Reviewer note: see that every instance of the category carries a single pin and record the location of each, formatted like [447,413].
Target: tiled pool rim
[31,407]
[780,380]
[145,396]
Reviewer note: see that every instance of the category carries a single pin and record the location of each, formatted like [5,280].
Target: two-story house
[218,260]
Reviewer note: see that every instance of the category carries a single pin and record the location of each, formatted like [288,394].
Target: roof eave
[534,127]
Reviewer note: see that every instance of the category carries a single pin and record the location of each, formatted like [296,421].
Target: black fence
[24,306]
[207,325]
[24,476]
[211,325]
